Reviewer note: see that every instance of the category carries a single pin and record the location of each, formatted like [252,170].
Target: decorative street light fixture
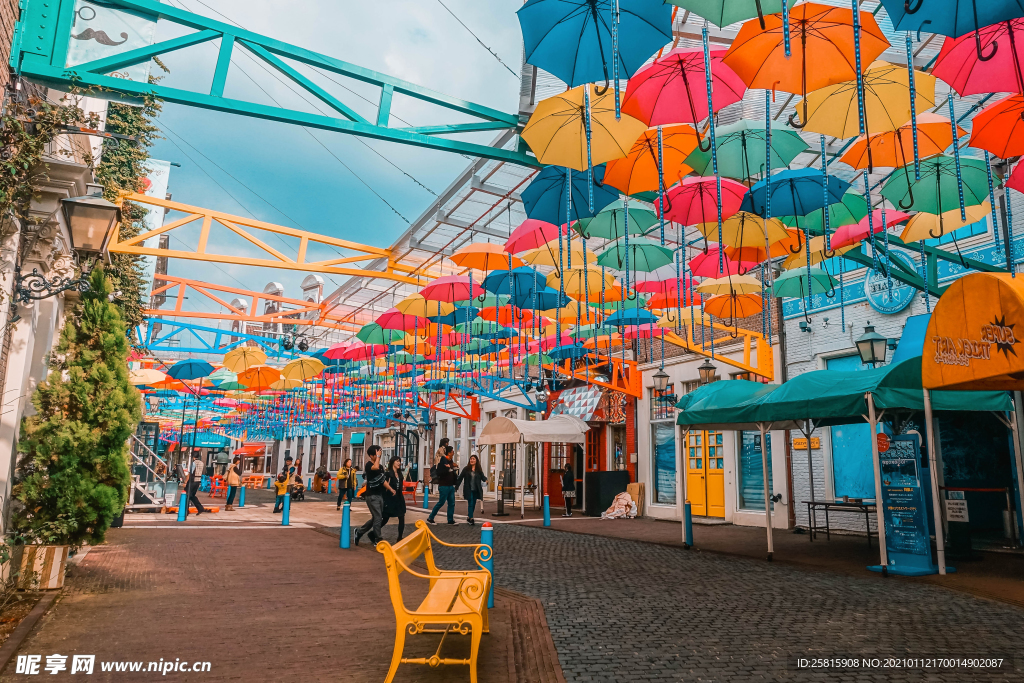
[660,380]
[707,371]
[871,346]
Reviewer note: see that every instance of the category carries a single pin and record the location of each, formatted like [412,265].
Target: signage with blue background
[885,294]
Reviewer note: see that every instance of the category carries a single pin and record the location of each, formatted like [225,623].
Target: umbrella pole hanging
[956,157]
[992,201]
[862,120]
[924,270]
[590,162]
[614,6]
[888,260]
[913,106]
[768,190]
[714,150]
[661,187]
[1011,263]
[785,25]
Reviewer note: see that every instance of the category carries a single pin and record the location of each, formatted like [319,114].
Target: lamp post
[707,372]
[871,346]
[661,380]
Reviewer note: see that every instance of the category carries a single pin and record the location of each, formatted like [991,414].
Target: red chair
[409,489]
[218,488]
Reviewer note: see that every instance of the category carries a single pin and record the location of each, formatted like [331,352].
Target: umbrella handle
[912,10]
[736,332]
[799,245]
[700,143]
[792,121]
[977,45]
[921,27]
[931,231]
[910,193]
[598,90]
[832,290]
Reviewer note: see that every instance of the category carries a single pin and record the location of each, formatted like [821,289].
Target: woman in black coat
[568,489]
[472,479]
[394,496]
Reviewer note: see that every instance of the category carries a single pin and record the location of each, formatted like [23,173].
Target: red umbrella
[706,265]
[999,127]
[851,234]
[393,319]
[361,351]
[695,200]
[338,350]
[672,300]
[1016,179]
[451,288]
[454,338]
[550,342]
[532,234]
[644,332]
[959,66]
[672,89]
[669,286]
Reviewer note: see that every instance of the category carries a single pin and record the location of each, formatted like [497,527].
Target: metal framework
[157,335]
[40,51]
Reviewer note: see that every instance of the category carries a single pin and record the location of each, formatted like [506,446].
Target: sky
[330,183]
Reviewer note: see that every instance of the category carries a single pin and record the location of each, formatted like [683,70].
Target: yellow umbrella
[745,230]
[557,134]
[302,369]
[668,320]
[817,246]
[926,226]
[286,384]
[833,111]
[547,255]
[146,376]
[574,283]
[415,304]
[568,313]
[731,284]
[242,358]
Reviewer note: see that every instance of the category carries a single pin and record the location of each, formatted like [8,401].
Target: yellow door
[705,474]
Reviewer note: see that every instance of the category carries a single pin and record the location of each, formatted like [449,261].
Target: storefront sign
[903,507]
[883,442]
[885,294]
[800,444]
[956,507]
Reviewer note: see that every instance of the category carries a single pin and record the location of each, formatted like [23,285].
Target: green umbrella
[486,300]
[231,386]
[375,334]
[609,222]
[793,283]
[645,255]
[542,357]
[470,365]
[403,357]
[222,375]
[480,327]
[721,13]
[479,345]
[849,211]
[938,190]
[740,148]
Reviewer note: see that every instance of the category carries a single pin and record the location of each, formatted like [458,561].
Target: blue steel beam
[158,342]
[40,52]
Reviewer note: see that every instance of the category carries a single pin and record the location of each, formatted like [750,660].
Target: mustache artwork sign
[100,30]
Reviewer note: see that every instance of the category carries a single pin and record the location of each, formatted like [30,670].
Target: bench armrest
[471,587]
[481,554]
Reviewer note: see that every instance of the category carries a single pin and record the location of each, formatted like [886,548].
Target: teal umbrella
[610,222]
[721,13]
[793,283]
[740,149]
[849,211]
[543,359]
[939,188]
[645,255]
[375,334]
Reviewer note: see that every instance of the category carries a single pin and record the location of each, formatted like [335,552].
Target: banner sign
[907,534]
[101,31]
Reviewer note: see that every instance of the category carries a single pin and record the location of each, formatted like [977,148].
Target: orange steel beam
[270,257]
[461,409]
[624,376]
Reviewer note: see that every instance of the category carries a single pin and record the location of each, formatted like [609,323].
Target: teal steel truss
[183,337]
[40,52]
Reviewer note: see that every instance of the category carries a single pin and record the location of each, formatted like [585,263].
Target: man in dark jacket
[446,476]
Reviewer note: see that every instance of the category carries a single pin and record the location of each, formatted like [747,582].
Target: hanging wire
[714,150]
[913,103]
[661,184]
[625,222]
[888,258]
[956,156]
[824,186]
[768,184]
[785,26]
[616,18]
[863,126]
[1012,266]
[992,204]
[679,283]
[590,161]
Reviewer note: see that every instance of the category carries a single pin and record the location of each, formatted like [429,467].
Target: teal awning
[336,439]
[207,440]
[357,437]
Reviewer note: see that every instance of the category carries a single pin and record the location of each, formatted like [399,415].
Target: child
[281,484]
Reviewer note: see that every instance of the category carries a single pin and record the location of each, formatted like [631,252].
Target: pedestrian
[346,482]
[394,497]
[472,479]
[320,479]
[233,479]
[373,477]
[195,478]
[445,486]
[568,488]
[442,448]
[281,484]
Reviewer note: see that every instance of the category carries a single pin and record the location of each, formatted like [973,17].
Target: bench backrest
[401,555]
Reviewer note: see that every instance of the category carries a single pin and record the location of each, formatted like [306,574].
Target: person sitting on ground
[281,485]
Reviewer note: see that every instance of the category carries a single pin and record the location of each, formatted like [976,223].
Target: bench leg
[474,651]
[487,621]
[396,658]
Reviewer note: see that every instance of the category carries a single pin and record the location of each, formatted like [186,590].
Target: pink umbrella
[851,234]
[226,402]
[394,319]
[695,200]
[338,350]
[451,288]
[706,265]
[1016,179]
[550,342]
[959,66]
[532,234]
[361,351]
[670,286]
[644,332]
[672,89]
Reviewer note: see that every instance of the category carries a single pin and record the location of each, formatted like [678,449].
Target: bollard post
[487,538]
[426,495]
[346,531]
[287,506]
[182,506]
[309,483]
[687,526]
[241,496]
[547,511]
[329,482]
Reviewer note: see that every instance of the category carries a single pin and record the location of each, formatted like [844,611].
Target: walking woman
[346,482]
[233,480]
[394,497]
[442,449]
[472,479]
[568,489]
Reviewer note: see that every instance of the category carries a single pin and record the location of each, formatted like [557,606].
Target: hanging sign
[885,294]
[907,539]
[800,443]
[99,31]
[883,442]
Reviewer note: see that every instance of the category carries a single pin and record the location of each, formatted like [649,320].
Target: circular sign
[885,298]
[883,442]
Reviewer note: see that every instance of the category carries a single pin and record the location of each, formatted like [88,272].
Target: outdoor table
[867,509]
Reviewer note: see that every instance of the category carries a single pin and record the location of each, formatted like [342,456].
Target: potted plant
[73,476]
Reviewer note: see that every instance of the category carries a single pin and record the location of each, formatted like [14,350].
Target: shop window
[751,472]
[559,456]
[663,438]
[357,456]
[663,404]
[335,459]
[458,427]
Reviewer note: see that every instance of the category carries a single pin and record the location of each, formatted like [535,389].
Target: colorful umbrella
[926,226]
[372,333]
[146,376]
[940,188]
[644,169]
[731,284]
[640,253]
[959,65]
[610,222]
[453,288]
[852,234]
[577,283]
[999,127]
[721,13]
[394,319]
[794,283]
[734,306]
[242,358]
[417,305]
[189,369]
[548,255]
[950,17]
[745,229]
[545,197]
[507,281]
[794,193]
[485,256]
[895,149]
[259,378]
[695,200]
[706,265]
[741,150]
[529,235]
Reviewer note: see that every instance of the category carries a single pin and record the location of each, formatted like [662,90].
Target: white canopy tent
[558,429]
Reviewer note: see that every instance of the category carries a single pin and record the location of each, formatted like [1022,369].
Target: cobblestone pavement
[620,610]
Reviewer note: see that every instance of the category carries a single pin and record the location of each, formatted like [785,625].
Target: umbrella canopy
[795,193]
[938,190]
[485,256]
[734,306]
[950,17]
[630,316]
[529,235]
[695,200]
[959,63]
[506,281]
[394,319]
[453,288]
[610,222]
[895,149]
[706,265]
[852,234]
[672,88]
[557,129]
[746,230]
[286,384]
[542,299]
[577,283]
[189,369]
[372,333]
[146,376]
[417,305]
[999,127]
[849,210]
[544,197]
[731,284]
[818,254]
[721,13]
[639,170]
[673,299]
[740,148]
[259,378]
[572,39]
[643,255]
[793,283]
[242,358]
[548,255]
[926,226]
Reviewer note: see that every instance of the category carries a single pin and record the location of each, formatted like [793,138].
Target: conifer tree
[73,476]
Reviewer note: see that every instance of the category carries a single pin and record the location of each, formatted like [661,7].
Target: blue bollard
[270,483]
[547,511]
[426,495]
[182,507]
[309,484]
[287,507]
[346,527]
[329,482]
[241,496]
[687,526]
[487,538]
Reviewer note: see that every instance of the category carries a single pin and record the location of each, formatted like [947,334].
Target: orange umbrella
[896,148]
[259,378]
[639,172]
[485,256]
[999,127]
[822,51]
[756,253]
[671,299]
[507,315]
[734,306]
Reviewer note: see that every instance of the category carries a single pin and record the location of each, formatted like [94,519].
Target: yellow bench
[456,601]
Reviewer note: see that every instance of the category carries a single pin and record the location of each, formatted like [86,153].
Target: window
[472,430]
[751,471]
[444,429]
[663,404]
[458,427]
[663,439]
[512,413]
[335,458]
[357,456]
[559,454]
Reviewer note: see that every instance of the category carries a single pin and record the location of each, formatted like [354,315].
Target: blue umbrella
[572,39]
[567,351]
[462,314]
[951,18]
[544,197]
[794,193]
[189,369]
[542,300]
[630,316]
[498,281]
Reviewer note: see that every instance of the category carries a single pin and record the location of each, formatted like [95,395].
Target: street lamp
[660,380]
[871,346]
[707,371]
